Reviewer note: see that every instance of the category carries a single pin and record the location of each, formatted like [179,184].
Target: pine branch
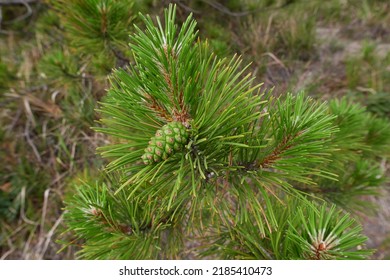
[198,150]
[97,29]
[282,147]
[354,158]
[326,234]
[305,230]
[157,108]
[112,224]
[289,141]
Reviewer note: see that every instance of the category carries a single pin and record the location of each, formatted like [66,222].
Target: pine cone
[169,139]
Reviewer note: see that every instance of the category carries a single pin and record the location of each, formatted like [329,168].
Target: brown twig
[157,108]
[122,60]
[179,112]
[321,247]
[126,229]
[275,155]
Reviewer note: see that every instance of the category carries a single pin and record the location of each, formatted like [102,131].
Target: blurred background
[56,56]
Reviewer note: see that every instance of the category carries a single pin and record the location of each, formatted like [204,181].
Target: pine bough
[201,158]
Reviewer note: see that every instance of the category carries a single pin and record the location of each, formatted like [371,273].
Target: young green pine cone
[169,139]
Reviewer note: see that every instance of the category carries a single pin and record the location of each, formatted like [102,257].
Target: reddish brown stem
[282,147]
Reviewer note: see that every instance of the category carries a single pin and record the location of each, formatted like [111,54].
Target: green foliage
[369,69]
[60,67]
[279,36]
[325,234]
[360,140]
[19,184]
[300,128]
[77,100]
[249,167]
[379,104]
[112,222]
[306,230]
[218,37]
[5,75]
[297,37]
[350,138]
[49,23]
[252,165]
[8,203]
[95,25]
[97,30]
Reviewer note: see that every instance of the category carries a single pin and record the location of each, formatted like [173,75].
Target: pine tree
[96,30]
[202,157]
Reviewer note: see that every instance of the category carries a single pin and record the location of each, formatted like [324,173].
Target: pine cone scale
[169,139]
